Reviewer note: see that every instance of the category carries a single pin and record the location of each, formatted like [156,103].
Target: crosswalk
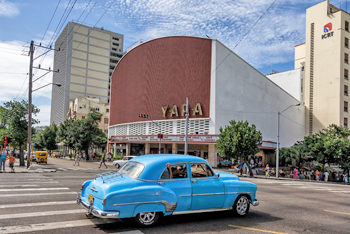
[45,203]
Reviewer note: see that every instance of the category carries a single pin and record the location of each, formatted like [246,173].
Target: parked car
[146,188]
[33,155]
[119,163]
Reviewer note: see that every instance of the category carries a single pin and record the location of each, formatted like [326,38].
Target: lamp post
[30,114]
[278,138]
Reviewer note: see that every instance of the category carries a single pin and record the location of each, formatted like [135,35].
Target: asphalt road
[45,203]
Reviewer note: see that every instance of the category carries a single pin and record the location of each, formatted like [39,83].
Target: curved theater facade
[156,77]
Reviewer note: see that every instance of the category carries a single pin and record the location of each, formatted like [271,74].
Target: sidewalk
[35,168]
[262,176]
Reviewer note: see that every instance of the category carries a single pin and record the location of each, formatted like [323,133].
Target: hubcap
[242,205]
[147,217]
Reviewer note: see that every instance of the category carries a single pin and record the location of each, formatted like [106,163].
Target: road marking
[46,213]
[31,189]
[337,212]
[254,229]
[54,225]
[25,182]
[26,185]
[35,194]
[129,232]
[37,204]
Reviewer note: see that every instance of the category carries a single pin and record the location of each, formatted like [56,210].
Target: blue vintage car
[151,186]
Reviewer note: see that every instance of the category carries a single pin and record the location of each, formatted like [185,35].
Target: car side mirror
[218,175]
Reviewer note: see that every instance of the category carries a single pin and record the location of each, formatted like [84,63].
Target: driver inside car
[176,171]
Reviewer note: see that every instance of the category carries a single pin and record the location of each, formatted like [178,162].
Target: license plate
[90,198]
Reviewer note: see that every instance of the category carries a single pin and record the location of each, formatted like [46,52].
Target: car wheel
[147,219]
[117,166]
[241,206]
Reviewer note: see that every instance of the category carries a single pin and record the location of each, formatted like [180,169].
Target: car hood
[102,186]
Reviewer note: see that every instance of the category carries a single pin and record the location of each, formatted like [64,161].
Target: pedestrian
[103,160]
[12,162]
[308,175]
[2,160]
[241,168]
[84,156]
[317,175]
[76,159]
[295,173]
[343,177]
[326,174]
[346,178]
[312,175]
[256,169]
[247,169]
[267,170]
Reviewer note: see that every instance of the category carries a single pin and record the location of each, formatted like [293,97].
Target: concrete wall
[290,81]
[243,93]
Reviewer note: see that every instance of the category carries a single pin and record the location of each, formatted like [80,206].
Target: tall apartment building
[86,61]
[325,56]
[323,62]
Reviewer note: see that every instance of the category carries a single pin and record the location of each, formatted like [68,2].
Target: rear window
[42,154]
[132,169]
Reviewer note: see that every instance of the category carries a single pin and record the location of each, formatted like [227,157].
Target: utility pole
[31,53]
[186,136]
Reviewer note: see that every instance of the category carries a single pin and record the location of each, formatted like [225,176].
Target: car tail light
[104,202]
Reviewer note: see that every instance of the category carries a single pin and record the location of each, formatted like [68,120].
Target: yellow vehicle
[56,155]
[41,157]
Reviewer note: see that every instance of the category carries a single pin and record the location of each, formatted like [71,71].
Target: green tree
[330,145]
[239,140]
[46,138]
[14,123]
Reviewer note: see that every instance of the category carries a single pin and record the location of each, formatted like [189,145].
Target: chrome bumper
[255,203]
[96,212]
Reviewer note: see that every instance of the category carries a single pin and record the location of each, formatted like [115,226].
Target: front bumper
[96,212]
[255,202]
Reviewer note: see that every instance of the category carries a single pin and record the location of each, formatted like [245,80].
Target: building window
[84,106]
[347,26]
[97,109]
[115,44]
[106,120]
[106,131]
[346,106]
[107,110]
[346,76]
[330,10]
[345,90]
[346,122]
[346,59]
[346,42]
[83,117]
[113,61]
[115,49]
[115,38]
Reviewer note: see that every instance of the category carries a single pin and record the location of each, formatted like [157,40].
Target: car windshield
[132,169]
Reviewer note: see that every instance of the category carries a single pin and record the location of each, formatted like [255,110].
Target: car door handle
[161,183]
[193,181]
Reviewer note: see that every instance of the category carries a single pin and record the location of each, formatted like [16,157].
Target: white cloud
[8,9]
[272,39]
[44,115]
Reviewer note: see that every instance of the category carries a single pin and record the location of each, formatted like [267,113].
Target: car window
[132,169]
[201,170]
[179,171]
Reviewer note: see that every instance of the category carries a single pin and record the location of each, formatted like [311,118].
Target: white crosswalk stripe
[38,204]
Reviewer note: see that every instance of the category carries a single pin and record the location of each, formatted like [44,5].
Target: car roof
[156,163]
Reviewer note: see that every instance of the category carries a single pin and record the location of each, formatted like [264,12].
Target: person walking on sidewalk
[295,173]
[76,159]
[2,160]
[317,173]
[326,174]
[103,160]
[267,170]
[12,162]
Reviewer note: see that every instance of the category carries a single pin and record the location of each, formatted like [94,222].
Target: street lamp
[278,138]
[30,116]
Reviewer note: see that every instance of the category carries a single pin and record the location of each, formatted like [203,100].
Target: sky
[268,46]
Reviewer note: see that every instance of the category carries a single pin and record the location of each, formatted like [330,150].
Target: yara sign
[197,109]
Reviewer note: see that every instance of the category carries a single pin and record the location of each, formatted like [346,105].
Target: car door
[179,184]
[208,191]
